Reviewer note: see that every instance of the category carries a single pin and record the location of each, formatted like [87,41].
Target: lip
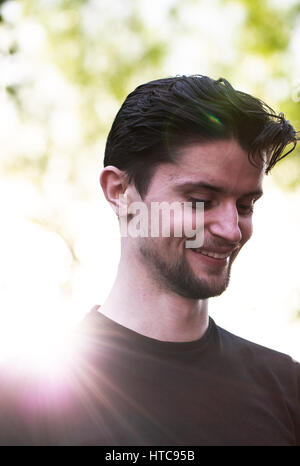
[219,251]
[211,260]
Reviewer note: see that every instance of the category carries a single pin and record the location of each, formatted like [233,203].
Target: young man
[154,368]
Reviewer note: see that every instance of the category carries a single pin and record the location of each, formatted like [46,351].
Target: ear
[114,184]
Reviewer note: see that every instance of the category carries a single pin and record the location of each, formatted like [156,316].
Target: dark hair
[161,116]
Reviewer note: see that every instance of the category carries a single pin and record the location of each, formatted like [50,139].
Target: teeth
[212,254]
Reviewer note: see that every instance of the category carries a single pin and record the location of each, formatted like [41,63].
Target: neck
[138,303]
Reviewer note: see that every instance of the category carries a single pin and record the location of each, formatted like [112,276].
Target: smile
[215,255]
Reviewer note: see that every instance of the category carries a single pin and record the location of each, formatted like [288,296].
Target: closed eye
[246,209]
[194,201]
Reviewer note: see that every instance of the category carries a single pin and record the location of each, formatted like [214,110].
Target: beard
[179,277]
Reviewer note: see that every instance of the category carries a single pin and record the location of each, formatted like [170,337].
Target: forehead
[221,163]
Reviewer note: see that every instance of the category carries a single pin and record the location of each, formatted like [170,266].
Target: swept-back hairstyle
[160,117]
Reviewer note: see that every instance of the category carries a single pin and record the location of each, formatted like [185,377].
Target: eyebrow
[213,188]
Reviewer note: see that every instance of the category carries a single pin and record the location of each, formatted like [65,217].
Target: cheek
[172,222]
[188,222]
[180,222]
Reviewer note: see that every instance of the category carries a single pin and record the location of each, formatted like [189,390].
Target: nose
[225,223]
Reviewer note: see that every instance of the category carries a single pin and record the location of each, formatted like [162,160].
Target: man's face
[220,175]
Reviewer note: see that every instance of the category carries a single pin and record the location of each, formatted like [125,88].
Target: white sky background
[41,295]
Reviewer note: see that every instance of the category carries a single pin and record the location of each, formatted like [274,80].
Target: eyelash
[194,200]
[249,209]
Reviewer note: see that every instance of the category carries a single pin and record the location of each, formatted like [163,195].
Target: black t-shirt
[128,389]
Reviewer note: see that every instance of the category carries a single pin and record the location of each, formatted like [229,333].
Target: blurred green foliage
[96,52]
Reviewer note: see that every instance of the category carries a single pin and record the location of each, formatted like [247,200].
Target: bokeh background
[65,68]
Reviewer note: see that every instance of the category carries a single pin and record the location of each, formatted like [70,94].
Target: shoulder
[256,355]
